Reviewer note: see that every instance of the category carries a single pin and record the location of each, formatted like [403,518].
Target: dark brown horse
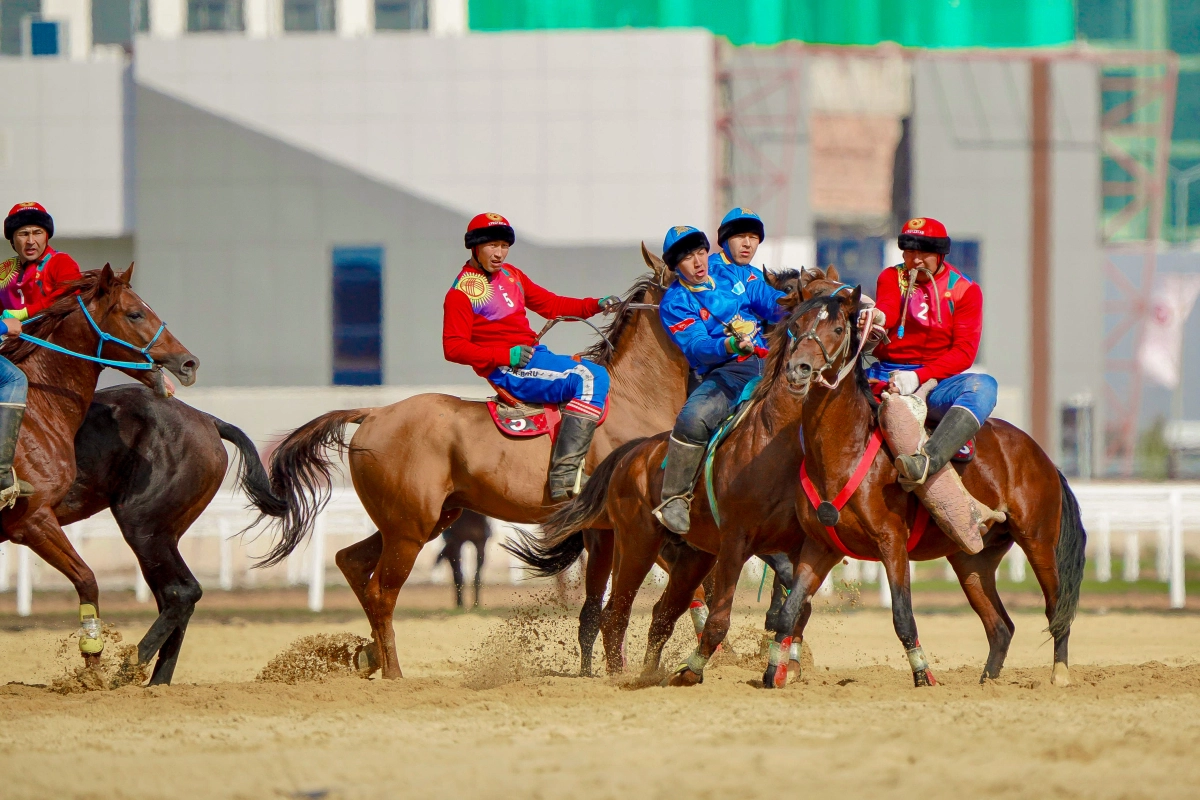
[755,486]
[157,463]
[470,528]
[1009,472]
[61,387]
[416,463]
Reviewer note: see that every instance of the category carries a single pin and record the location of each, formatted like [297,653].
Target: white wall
[598,137]
[63,142]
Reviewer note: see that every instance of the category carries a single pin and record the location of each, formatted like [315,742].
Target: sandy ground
[487,710]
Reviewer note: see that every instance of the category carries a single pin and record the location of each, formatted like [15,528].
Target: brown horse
[416,463]
[1009,472]
[61,387]
[755,488]
[473,528]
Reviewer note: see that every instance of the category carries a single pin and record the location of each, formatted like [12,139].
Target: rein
[608,345]
[104,337]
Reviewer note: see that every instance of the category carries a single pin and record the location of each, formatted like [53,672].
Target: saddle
[520,420]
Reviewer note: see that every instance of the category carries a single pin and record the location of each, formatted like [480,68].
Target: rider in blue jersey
[739,236]
[715,312]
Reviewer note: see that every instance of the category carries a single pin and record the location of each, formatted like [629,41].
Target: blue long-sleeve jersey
[695,316]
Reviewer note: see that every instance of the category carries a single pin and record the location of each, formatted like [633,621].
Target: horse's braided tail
[252,478]
[1069,558]
[301,476]
[561,542]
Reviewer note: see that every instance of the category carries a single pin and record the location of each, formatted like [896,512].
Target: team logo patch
[495,218]
[476,287]
[739,288]
[752,277]
[743,327]
[915,224]
[746,211]
[26,205]
[704,315]
[683,325]
[680,230]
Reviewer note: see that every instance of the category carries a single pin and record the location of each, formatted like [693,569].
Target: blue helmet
[740,220]
[681,240]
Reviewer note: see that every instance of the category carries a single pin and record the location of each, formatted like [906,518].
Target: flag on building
[1161,352]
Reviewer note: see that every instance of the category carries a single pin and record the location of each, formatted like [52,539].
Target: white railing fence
[1122,515]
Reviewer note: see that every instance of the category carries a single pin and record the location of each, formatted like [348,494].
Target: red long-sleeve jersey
[942,348]
[485,315]
[30,291]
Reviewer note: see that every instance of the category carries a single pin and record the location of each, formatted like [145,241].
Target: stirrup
[908,484]
[8,496]
[687,501]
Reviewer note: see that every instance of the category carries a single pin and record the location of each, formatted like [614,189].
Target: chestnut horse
[755,488]
[416,463]
[1010,472]
[61,386]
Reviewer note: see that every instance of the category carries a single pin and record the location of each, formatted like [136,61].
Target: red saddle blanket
[520,420]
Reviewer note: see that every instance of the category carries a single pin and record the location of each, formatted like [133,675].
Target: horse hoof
[366,661]
[775,677]
[91,661]
[1061,675]
[924,678]
[685,677]
[794,670]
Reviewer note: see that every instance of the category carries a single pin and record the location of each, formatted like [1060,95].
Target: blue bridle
[104,337]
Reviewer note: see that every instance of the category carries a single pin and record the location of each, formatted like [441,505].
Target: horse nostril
[190,365]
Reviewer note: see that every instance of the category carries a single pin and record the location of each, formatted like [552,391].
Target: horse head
[129,330]
[823,340]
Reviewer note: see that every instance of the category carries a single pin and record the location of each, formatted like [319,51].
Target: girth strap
[843,497]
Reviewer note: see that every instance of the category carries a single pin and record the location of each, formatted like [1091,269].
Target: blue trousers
[13,383]
[551,378]
[970,390]
[713,399]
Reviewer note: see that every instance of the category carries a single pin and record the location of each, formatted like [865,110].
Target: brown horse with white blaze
[61,387]
[415,464]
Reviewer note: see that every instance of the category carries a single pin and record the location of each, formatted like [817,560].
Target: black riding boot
[566,462]
[956,429]
[11,415]
[683,459]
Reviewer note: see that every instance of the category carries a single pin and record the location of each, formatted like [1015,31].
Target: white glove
[904,381]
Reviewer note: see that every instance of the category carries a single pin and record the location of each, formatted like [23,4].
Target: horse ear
[127,275]
[832,273]
[655,263]
[790,300]
[107,278]
[855,297]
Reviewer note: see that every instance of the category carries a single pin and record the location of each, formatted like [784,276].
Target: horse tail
[301,476]
[252,478]
[561,542]
[1069,558]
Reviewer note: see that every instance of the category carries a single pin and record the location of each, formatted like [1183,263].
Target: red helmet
[925,234]
[484,228]
[23,214]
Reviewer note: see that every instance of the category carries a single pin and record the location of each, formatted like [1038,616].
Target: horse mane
[44,324]
[599,352]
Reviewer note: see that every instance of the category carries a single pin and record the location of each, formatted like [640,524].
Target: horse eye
[134,316]
[838,330]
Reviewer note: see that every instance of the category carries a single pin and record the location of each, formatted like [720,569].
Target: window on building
[859,261]
[44,38]
[215,15]
[308,15]
[112,21]
[401,15]
[1104,20]
[141,15]
[357,316]
[12,23]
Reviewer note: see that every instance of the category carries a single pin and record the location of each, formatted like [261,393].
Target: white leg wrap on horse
[696,662]
[699,614]
[916,659]
[794,653]
[91,641]
[774,653]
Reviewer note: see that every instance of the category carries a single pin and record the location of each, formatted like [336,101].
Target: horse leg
[633,562]
[895,562]
[782,576]
[1040,552]
[814,564]
[358,561]
[599,546]
[732,557]
[687,572]
[392,571]
[176,591]
[479,556]
[977,574]
[795,668]
[41,533]
[454,556]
